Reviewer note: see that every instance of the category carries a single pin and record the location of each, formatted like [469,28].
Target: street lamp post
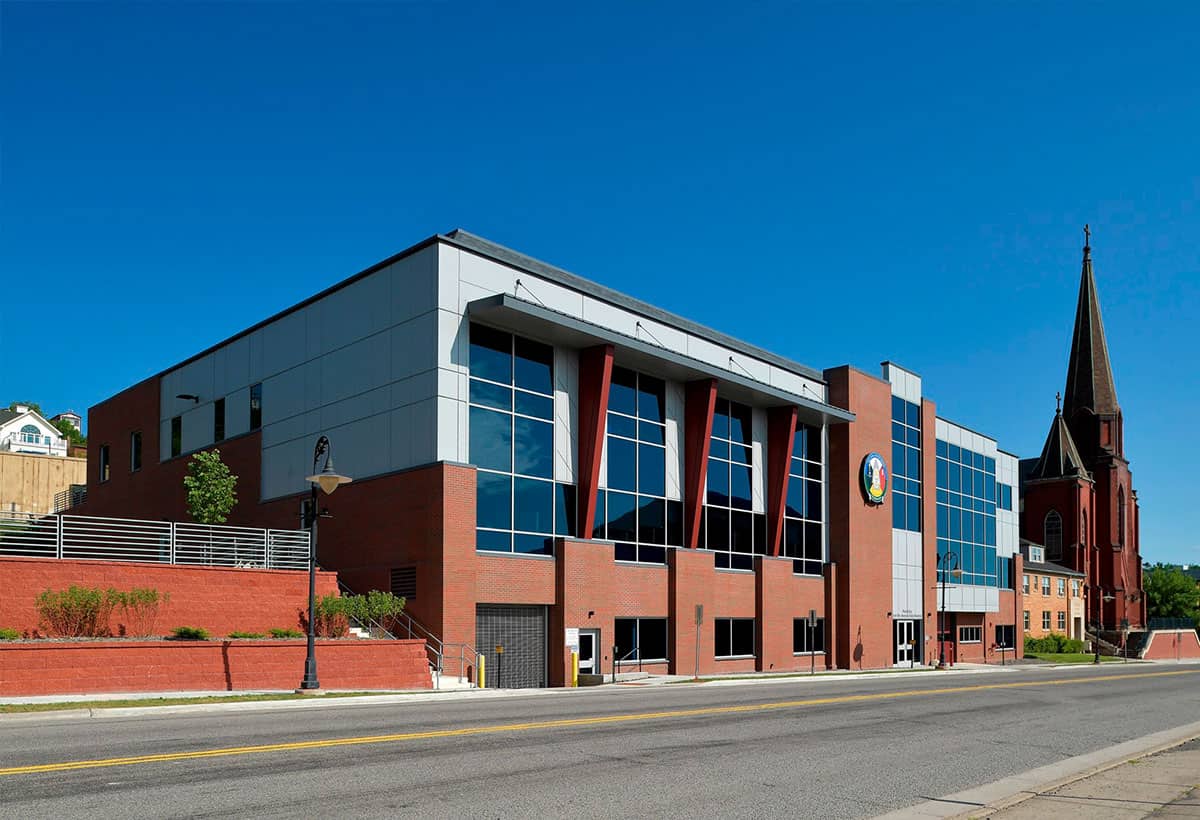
[947,564]
[1101,598]
[328,480]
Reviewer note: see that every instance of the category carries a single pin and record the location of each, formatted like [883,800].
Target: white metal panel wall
[758,457]
[566,410]
[358,365]
[908,568]
[674,432]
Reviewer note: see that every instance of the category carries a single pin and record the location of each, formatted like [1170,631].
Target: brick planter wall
[218,599]
[1172,644]
[90,667]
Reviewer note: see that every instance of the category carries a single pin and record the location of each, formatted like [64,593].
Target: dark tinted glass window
[256,406]
[135,451]
[491,439]
[533,505]
[651,398]
[652,638]
[493,500]
[622,394]
[219,420]
[176,436]
[491,354]
[622,464]
[104,463]
[534,447]
[533,367]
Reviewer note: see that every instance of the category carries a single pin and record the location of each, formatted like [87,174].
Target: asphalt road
[810,748]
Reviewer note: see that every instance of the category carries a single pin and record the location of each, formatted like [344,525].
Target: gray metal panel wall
[521,630]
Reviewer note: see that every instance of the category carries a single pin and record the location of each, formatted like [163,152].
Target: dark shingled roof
[7,415]
[1089,374]
[1060,457]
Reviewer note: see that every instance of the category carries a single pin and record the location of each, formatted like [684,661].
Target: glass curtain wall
[966,515]
[519,507]
[634,511]
[732,530]
[906,465]
[803,536]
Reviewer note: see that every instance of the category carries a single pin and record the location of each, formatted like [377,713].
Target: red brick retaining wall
[90,667]
[1169,645]
[219,599]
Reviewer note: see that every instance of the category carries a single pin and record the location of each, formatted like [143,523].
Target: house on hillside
[23,430]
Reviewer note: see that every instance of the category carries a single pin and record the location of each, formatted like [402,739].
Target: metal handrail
[434,646]
[618,661]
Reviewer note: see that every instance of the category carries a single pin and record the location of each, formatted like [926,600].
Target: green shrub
[190,633]
[1053,643]
[139,609]
[77,612]
[378,606]
[286,633]
[246,635]
[331,617]
[7,634]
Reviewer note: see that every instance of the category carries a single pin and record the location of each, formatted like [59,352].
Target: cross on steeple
[1087,235]
[1058,402]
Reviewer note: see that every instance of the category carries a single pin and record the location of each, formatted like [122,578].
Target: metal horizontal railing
[1172,623]
[162,542]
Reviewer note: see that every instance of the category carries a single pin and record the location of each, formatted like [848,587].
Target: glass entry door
[906,642]
[589,642]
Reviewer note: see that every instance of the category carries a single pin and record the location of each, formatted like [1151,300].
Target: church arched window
[1121,516]
[1052,530]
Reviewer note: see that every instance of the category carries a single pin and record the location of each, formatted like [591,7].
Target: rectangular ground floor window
[734,637]
[1006,635]
[970,634]
[807,639]
[641,639]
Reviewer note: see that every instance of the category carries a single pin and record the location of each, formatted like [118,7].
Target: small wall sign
[875,478]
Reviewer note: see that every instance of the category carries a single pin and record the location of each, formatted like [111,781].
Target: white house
[22,430]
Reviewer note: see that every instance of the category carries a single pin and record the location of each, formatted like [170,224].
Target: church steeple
[1090,384]
[1060,457]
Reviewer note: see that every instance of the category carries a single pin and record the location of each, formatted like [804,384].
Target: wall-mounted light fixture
[188,397]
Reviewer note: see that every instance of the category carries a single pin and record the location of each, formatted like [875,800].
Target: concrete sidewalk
[1156,775]
[1166,784]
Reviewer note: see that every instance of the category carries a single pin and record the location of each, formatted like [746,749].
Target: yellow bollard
[574,668]
[482,670]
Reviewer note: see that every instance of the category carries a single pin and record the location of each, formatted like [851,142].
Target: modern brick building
[1078,496]
[534,453]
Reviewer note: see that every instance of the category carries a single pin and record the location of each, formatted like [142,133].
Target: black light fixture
[188,397]
[1102,598]
[947,564]
[328,480]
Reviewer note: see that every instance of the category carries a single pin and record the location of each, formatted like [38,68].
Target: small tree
[211,488]
[1170,593]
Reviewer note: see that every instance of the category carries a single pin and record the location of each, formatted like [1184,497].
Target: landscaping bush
[246,635]
[77,612]
[378,606]
[139,610]
[1053,643]
[331,618]
[190,633]
[286,633]
[9,634]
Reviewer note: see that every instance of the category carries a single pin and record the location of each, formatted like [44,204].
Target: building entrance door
[906,642]
[589,642]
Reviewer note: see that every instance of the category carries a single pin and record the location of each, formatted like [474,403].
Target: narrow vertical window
[104,464]
[219,420]
[176,436]
[1052,532]
[135,451]
[256,406]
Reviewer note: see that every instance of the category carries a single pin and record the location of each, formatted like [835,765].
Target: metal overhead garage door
[521,630]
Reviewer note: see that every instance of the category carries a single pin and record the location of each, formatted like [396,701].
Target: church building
[1077,497]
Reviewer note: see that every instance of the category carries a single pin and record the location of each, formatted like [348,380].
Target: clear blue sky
[838,182]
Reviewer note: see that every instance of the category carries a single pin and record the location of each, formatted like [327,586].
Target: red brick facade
[183,666]
[218,599]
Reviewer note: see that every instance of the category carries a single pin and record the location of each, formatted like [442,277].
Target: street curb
[992,797]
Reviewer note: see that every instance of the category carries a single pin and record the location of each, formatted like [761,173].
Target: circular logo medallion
[875,478]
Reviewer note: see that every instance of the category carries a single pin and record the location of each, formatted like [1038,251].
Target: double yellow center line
[564,723]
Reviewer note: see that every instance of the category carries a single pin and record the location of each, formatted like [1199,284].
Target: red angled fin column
[781,433]
[595,378]
[701,401]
